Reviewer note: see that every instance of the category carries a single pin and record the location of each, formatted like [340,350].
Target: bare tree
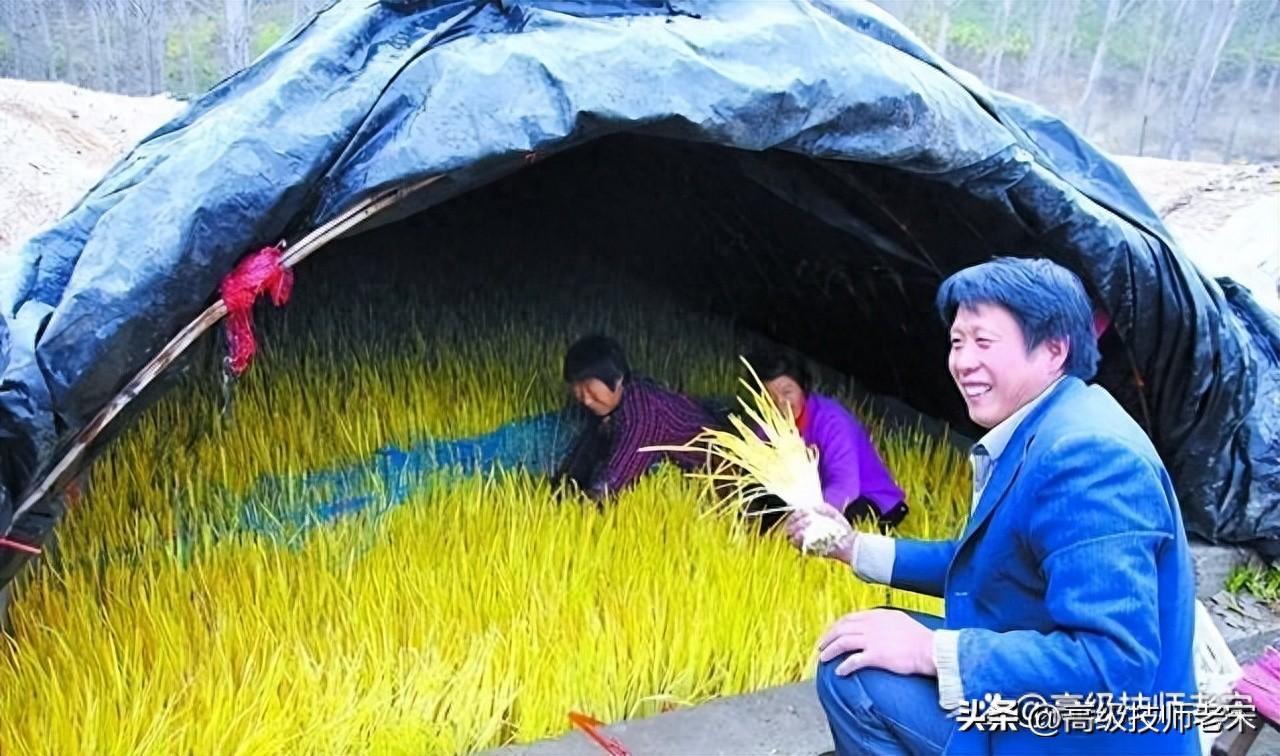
[235,39]
[131,69]
[996,54]
[1116,10]
[1040,44]
[30,39]
[1217,27]
[1061,57]
[99,57]
[70,45]
[50,67]
[944,27]
[1245,99]
[182,16]
[1163,36]
[9,18]
[104,75]
[152,23]
[1159,74]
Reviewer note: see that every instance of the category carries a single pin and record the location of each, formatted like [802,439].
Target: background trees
[1177,78]
[1188,79]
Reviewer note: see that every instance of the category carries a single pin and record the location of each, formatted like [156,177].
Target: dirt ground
[1225,217]
[57,140]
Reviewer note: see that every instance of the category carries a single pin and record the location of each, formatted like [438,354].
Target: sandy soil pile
[57,141]
[1225,217]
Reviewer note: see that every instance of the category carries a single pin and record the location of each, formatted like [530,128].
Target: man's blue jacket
[1072,576]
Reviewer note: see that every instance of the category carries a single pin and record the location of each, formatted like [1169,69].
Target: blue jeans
[877,712]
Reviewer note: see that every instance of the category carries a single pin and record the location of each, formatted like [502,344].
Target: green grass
[1261,582]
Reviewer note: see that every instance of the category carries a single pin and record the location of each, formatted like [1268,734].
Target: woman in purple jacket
[854,478]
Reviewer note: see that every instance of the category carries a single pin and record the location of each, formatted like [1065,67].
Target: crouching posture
[1072,576]
[627,414]
[854,478]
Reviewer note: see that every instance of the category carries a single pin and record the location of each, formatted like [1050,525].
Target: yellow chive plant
[476,613]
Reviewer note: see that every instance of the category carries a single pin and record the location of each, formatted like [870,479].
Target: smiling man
[1072,576]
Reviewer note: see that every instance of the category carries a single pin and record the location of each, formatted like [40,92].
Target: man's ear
[1058,351]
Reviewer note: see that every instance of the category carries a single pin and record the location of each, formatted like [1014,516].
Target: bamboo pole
[66,468]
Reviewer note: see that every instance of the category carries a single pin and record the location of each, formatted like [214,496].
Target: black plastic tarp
[894,166]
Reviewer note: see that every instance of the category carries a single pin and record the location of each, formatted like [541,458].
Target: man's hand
[798,521]
[882,639]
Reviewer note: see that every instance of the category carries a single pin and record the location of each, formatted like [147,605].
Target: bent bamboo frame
[60,474]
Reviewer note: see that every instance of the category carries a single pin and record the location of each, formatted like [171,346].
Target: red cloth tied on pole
[257,274]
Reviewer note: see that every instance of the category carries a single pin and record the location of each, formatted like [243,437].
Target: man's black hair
[1047,300]
[770,363]
[596,356]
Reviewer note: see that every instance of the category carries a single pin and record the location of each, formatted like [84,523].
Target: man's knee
[853,704]
[842,692]
[856,691]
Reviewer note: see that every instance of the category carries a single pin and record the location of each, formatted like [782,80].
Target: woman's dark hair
[770,363]
[596,356]
[1047,300]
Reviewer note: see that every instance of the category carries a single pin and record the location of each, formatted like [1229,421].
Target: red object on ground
[259,273]
[588,725]
[19,546]
[1261,682]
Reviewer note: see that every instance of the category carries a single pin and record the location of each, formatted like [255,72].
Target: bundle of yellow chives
[773,461]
